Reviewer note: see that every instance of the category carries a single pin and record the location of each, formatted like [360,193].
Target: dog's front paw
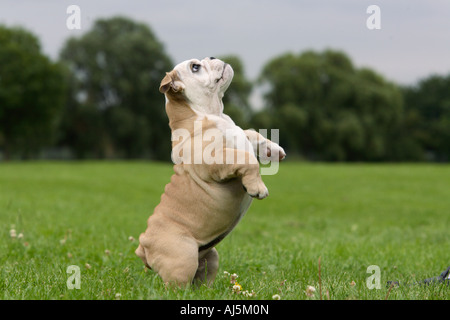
[257,190]
[270,151]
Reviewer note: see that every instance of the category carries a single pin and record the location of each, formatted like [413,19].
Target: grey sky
[414,40]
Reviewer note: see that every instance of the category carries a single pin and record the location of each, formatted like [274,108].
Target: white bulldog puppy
[216,175]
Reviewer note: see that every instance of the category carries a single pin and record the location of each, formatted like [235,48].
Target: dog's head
[202,82]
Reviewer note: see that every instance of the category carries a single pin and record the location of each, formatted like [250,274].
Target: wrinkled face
[204,80]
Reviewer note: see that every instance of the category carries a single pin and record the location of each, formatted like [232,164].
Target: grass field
[90,214]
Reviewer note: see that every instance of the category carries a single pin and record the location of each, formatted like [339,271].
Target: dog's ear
[171,82]
[165,83]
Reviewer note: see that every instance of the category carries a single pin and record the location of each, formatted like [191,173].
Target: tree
[236,103]
[427,108]
[31,94]
[114,107]
[327,109]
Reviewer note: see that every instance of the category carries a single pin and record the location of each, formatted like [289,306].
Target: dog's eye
[195,67]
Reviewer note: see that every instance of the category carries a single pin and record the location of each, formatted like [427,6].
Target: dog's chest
[235,137]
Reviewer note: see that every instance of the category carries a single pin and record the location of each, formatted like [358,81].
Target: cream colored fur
[203,202]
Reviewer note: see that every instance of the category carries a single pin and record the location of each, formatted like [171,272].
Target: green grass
[351,216]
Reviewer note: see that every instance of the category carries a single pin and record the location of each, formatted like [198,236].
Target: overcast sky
[413,42]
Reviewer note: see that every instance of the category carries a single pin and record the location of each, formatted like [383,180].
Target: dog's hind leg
[208,265]
[174,259]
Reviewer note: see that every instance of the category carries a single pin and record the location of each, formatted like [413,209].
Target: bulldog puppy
[216,175]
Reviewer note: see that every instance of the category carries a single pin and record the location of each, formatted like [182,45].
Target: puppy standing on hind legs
[205,199]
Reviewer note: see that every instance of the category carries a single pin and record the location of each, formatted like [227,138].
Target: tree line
[100,100]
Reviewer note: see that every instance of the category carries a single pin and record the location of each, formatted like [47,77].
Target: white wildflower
[310,291]
[233,278]
[248,294]
[237,288]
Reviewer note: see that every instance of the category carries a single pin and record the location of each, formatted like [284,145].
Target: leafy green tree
[31,94]
[427,108]
[115,108]
[236,99]
[326,109]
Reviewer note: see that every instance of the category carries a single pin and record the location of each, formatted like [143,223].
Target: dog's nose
[212,58]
